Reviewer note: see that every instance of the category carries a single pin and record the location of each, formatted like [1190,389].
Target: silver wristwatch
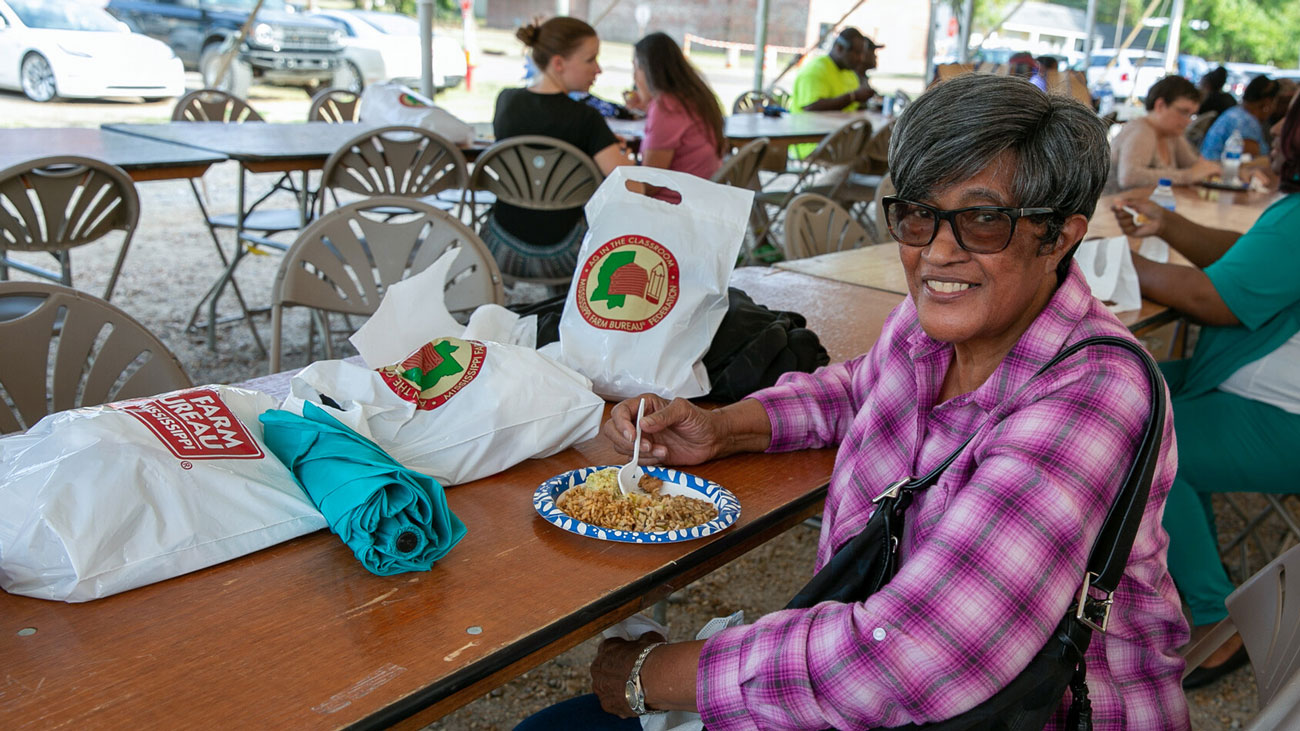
[634,692]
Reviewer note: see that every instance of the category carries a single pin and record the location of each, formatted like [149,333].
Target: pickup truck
[282,47]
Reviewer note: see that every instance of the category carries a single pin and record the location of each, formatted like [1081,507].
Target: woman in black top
[545,243]
[1213,97]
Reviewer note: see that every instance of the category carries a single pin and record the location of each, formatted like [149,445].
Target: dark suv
[282,47]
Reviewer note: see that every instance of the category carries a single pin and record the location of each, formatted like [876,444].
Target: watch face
[630,694]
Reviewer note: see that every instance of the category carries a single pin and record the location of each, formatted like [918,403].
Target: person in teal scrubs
[1237,399]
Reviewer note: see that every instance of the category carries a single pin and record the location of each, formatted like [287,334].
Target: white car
[1130,77]
[64,48]
[383,46]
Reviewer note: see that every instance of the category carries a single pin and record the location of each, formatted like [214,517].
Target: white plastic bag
[1107,265]
[651,285]
[392,103]
[100,500]
[457,410]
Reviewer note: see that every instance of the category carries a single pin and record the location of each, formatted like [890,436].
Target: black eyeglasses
[978,229]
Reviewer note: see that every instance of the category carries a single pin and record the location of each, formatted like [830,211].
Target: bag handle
[1114,542]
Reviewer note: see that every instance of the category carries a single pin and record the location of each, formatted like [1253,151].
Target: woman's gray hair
[1060,153]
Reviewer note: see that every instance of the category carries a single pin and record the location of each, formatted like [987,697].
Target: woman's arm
[1185,289]
[657,158]
[1136,168]
[1201,245]
[616,155]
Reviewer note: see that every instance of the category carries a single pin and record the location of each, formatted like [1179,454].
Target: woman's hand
[673,432]
[611,669]
[1148,222]
[1205,169]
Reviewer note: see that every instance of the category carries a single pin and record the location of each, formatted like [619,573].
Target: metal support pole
[1089,25]
[1175,37]
[760,42]
[425,16]
[929,45]
[963,32]
[1119,23]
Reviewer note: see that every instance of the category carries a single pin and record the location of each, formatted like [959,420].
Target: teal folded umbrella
[394,519]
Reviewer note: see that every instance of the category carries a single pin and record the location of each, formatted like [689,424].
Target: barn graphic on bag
[430,376]
[630,283]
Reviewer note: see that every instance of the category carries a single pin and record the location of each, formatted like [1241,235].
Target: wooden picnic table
[300,636]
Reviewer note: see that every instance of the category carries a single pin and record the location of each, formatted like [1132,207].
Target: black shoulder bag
[869,560]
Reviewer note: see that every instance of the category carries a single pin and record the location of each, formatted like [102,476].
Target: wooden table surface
[301,636]
[878,266]
[142,159]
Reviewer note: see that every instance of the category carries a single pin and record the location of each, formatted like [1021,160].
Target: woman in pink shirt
[683,129]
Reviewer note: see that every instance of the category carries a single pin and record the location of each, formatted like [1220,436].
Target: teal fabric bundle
[394,519]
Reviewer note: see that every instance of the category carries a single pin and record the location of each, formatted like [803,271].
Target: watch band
[635,692]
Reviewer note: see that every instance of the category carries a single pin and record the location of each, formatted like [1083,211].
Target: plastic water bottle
[1164,195]
[1154,247]
[1232,157]
[1105,100]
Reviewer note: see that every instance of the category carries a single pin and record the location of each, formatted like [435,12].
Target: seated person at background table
[1213,97]
[545,243]
[1286,90]
[831,83]
[683,126]
[1247,118]
[1024,66]
[1153,147]
[992,559]
[1237,399]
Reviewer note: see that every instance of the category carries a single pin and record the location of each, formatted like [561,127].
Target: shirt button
[878,634]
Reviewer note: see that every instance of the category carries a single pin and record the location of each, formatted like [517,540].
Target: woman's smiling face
[980,299]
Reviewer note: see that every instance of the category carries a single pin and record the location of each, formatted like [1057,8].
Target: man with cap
[832,83]
[835,82]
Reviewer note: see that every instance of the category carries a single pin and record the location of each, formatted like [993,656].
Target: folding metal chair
[538,173]
[741,171]
[345,261]
[69,349]
[411,162]
[752,102]
[334,105]
[1266,611]
[815,224]
[54,204]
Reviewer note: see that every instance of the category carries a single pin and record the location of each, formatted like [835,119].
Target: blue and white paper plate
[676,482]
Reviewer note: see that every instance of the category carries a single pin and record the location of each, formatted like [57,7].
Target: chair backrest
[538,173]
[65,349]
[815,224]
[213,105]
[334,105]
[741,169]
[945,71]
[395,161]
[1195,132]
[843,146]
[752,102]
[1077,85]
[885,188]
[780,96]
[55,203]
[1266,611]
[345,260]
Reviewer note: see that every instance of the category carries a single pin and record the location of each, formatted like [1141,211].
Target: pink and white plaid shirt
[994,553]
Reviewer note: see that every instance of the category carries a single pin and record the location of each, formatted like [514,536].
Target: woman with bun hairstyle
[683,128]
[544,244]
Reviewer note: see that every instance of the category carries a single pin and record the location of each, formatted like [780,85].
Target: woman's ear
[1072,232]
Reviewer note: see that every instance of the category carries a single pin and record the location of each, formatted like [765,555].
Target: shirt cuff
[717,692]
[788,414]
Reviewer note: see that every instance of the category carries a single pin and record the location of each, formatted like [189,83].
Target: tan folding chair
[538,173]
[334,105]
[831,159]
[946,71]
[402,161]
[1269,524]
[815,224]
[64,349]
[752,102]
[1195,132]
[213,105]
[54,204]
[345,260]
[741,171]
[1266,611]
[885,188]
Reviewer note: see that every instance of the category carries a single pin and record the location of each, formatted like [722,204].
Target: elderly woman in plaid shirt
[995,551]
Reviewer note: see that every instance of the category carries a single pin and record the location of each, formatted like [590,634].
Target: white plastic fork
[629,475]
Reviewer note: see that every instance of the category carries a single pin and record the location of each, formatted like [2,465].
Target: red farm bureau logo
[430,376]
[630,283]
[195,424]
